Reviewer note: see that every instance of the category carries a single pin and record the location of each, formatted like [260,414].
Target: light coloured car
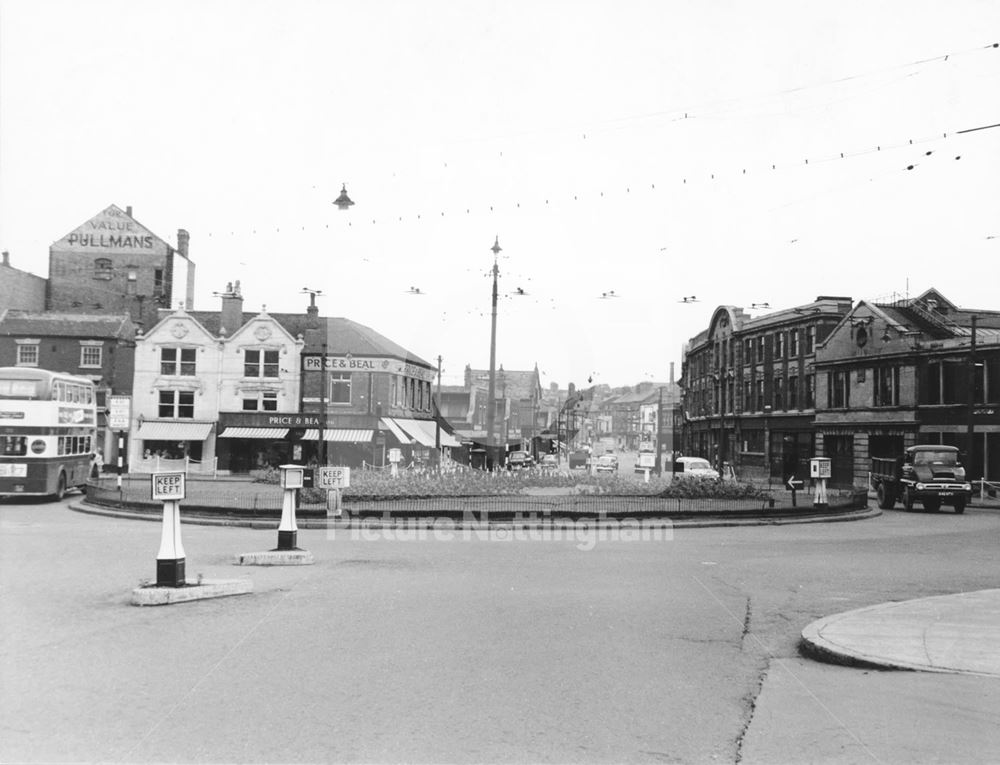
[549,462]
[607,463]
[695,466]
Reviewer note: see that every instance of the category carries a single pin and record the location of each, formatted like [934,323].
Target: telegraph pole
[491,393]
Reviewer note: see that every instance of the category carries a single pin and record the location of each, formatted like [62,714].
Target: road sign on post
[119,412]
[794,484]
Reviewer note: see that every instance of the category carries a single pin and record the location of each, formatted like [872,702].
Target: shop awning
[396,431]
[423,432]
[268,434]
[175,431]
[343,435]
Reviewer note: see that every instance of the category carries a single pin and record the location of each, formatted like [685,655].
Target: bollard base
[170,572]
[276,558]
[157,595]
[287,540]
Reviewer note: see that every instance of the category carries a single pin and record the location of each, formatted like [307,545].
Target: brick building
[112,264]
[98,347]
[750,387]
[907,372]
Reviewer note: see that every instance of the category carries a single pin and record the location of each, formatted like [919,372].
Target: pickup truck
[930,474]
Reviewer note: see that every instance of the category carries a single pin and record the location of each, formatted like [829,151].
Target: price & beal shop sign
[168,485]
[368,364]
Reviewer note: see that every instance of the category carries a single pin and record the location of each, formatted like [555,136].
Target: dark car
[520,460]
[579,459]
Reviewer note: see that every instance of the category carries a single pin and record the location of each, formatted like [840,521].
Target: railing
[986,488]
[187,465]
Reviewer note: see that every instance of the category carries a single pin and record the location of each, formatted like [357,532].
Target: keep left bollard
[287,553]
[171,584]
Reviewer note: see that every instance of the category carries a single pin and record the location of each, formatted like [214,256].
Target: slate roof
[48,324]
[341,335]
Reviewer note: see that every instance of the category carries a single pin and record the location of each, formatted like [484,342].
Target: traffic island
[286,553]
[158,595]
[294,557]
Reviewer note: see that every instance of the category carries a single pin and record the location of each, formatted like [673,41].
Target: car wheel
[907,498]
[960,506]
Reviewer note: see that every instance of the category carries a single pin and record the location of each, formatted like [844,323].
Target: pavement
[946,633]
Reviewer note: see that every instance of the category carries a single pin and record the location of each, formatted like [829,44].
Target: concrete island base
[151,595]
[276,558]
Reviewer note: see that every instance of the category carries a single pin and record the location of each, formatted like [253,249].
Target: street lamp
[491,392]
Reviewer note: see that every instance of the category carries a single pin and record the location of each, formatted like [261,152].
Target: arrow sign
[794,484]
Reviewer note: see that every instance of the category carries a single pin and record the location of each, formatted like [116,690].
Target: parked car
[579,459]
[695,466]
[520,460]
[548,462]
[607,463]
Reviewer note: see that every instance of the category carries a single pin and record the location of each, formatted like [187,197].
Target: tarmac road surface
[479,649]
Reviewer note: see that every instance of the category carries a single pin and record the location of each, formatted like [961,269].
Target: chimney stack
[232,310]
[128,210]
[671,373]
[183,237]
[6,258]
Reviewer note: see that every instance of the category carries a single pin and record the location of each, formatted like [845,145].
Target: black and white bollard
[171,586]
[170,559]
[287,553]
[292,479]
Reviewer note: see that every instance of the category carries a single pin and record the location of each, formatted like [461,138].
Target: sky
[624,155]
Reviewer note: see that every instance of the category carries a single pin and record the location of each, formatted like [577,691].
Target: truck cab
[930,474]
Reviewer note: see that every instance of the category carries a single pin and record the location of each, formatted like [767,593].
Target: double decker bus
[48,431]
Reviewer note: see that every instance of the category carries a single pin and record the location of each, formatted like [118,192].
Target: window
[747,396]
[779,345]
[131,281]
[102,269]
[886,386]
[178,361]
[760,349]
[810,339]
[91,356]
[778,389]
[157,282]
[793,392]
[839,390]
[748,351]
[13,446]
[27,355]
[265,401]
[759,404]
[177,404]
[340,388]
[810,401]
[793,343]
[260,364]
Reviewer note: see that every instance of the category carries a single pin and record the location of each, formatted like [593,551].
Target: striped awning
[424,432]
[396,431]
[344,435]
[174,431]
[268,434]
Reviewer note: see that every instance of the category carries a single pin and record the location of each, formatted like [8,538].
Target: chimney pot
[128,210]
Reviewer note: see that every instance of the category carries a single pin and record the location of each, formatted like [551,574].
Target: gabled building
[232,392]
[20,290]
[520,416]
[911,371]
[113,264]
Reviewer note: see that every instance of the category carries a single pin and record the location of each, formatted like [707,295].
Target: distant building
[113,264]
[20,290]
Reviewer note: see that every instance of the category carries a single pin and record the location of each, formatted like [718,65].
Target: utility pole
[437,419]
[491,403]
[972,400]
[659,432]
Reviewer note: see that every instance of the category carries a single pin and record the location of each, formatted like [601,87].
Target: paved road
[470,649]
